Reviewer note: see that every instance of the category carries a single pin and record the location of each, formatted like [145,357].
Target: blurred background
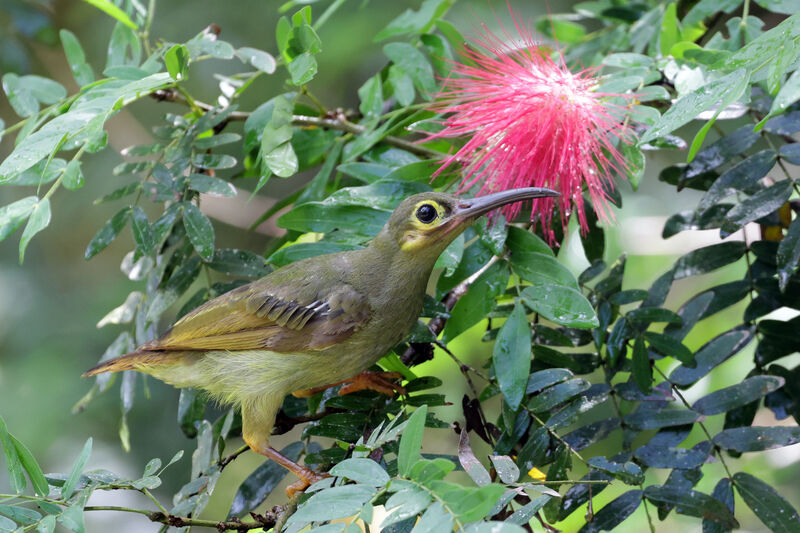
[49,306]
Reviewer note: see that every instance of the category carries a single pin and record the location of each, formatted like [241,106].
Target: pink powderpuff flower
[531,123]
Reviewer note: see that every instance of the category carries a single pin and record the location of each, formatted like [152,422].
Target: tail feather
[133,361]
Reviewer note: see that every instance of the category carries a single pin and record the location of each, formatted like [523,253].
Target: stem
[321,108]
[327,13]
[178,95]
[702,426]
[183,521]
[556,436]
[145,36]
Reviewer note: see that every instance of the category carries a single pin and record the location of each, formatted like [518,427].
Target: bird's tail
[138,360]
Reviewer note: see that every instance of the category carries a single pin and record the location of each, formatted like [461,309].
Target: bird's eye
[427,213]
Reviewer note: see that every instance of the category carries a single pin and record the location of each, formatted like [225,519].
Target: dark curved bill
[476,207]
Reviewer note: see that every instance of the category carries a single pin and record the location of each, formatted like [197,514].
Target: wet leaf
[411,441]
[713,353]
[560,304]
[737,395]
[709,258]
[108,233]
[199,229]
[560,393]
[614,513]
[239,263]
[692,503]
[756,439]
[767,504]
[511,358]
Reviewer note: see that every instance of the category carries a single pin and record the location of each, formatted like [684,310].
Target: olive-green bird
[311,323]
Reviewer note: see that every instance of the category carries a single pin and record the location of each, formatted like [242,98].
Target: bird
[318,321]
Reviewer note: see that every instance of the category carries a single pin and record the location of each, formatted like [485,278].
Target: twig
[338,122]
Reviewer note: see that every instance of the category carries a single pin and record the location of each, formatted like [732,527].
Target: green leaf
[73,177]
[76,58]
[199,229]
[640,367]
[614,513]
[451,256]
[477,302]
[542,269]
[692,503]
[296,252]
[28,462]
[411,441]
[670,33]
[737,395]
[760,204]
[557,394]
[415,22]
[77,469]
[766,503]
[562,305]
[84,119]
[493,526]
[323,218]
[468,503]
[511,358]
[371,97]
[788,255]
[261,482]
[708,258]
[714,352]
[257,58]
[744,176]
[14,214]
[107,233]
[16,477]
[757,439]
[670,347]
[788,94]
[38,220]
[113,11]
[333,503]
[542,379]
[211,185]
[434,520]
[142,231]
[176,60]
[402,85]
[731,95]
[303,68]
[627,472]
[689,106]
[413,62]
[361,470]
[643,419]
[239,263]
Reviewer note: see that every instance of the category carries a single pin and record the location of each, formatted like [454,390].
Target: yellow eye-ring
[426,213]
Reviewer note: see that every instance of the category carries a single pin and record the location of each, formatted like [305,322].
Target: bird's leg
[307,476]
[366,380]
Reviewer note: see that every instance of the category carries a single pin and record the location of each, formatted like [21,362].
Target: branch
[336,122]
[265,521]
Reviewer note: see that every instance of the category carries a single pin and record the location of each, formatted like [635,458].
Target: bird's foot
[367,380]
[377,381]
[307,478]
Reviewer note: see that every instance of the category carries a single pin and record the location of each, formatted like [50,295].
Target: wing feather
[296,308]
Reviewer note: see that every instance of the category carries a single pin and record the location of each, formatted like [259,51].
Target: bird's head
[424,224]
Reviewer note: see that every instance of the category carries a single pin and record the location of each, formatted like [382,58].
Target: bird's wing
[300,307]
